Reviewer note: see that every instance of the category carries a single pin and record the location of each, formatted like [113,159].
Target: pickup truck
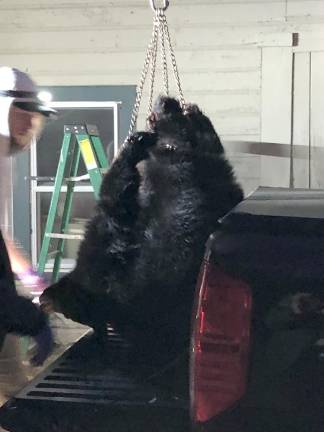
[257,351]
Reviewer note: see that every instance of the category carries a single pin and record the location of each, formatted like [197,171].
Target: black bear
[138,263]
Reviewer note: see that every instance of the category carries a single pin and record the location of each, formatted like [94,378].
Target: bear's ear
[165,105]
[192,109]
[203,131]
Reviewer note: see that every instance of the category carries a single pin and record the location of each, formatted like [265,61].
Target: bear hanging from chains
[159,202]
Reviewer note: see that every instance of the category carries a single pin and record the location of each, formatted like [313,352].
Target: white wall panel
[129,38]
[305,9]
[116,62]
[301,118]
[276,112]
[316,120]
[105,15]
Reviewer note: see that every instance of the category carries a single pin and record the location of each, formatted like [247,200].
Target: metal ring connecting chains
[160,32]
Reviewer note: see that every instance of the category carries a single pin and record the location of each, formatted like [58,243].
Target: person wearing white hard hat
[21,111]
[22,116]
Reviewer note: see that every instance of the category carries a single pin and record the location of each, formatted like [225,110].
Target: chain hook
[163,8]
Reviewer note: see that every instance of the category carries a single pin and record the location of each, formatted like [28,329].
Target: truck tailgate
[96,386]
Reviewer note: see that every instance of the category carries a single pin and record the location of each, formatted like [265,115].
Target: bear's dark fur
[139,261]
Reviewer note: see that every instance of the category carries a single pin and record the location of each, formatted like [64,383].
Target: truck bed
[97,385]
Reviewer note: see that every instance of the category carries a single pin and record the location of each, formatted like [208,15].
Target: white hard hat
[17,89]
[21,88]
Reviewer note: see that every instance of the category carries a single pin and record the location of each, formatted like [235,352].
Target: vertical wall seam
[310,123]
[291,167]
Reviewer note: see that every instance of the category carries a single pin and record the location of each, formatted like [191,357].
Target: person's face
[24,127]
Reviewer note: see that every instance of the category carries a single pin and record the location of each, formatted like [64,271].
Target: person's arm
[18,314]
[19,262]
[22,267]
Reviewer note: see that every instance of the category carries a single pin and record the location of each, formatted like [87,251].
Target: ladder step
[78,178]
[65,236]
[84,176]
[53,253]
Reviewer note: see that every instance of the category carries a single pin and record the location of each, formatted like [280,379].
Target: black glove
[44,341]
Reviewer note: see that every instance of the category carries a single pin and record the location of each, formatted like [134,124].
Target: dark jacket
[17,314]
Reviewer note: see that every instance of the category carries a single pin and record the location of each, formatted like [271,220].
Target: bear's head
[182,131]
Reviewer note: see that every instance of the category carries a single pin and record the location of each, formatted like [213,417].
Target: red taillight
[220,343]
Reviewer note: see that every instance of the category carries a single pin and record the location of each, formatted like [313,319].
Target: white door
[316,119]
[292,116]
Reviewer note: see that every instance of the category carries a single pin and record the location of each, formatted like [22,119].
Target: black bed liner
[96,386]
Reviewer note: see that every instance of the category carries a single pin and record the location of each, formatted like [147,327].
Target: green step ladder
[78,140]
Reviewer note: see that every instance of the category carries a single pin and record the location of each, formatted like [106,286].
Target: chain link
[139,88]
[163,54]
[174,62]
[153,63]
[163,8]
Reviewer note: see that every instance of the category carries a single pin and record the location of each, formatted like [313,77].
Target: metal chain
[160,28]
[163,54]
[153,63]
[174,62]
[139,88]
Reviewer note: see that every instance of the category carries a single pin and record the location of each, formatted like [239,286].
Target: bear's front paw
[192,109]
[138,144]
[47,304]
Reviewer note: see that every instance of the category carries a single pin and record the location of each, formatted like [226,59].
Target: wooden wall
[220,47]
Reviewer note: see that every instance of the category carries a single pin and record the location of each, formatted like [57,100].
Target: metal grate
[92,371]
[94,384]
